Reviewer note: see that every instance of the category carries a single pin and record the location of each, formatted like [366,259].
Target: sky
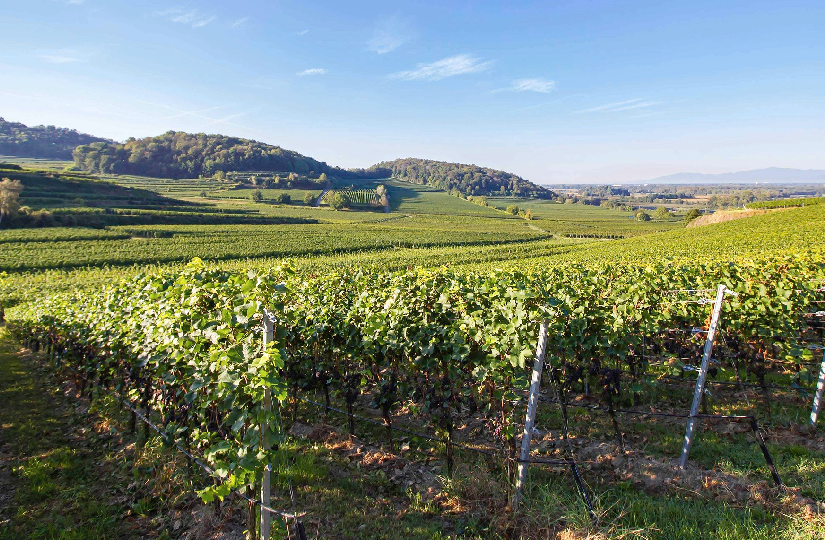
[555,91]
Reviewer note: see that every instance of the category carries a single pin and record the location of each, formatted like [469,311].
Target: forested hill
[176,154]
[18,139]
[467,179]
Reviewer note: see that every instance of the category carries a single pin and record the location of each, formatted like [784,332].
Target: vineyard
[417,332]
[437,348]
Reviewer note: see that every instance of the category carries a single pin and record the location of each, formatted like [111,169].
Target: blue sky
[590,91]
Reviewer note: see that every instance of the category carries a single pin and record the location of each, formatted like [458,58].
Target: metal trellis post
[532,405]
[703,372]
[820,389]
[268,337]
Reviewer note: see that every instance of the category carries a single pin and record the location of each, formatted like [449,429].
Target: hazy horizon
[569,93]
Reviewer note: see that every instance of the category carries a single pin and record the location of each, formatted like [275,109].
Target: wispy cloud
[75,2]
[389,34]
[191,17]
[630,104]
[313,71]
[226,120]
[63,56]
[240,22]
[543,86]
[302,32]
[459,64]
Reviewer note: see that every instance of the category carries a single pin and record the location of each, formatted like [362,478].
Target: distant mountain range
[772,175]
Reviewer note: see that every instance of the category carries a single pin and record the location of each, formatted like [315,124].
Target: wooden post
[268,331]
[530,419]
[700,380]
[820,389]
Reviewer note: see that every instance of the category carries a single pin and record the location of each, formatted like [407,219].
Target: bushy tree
[641,215]
[339,201]
[663,213]
[9,198]
[283,198]
[512,209]
[692,214]
[257,196]
[309,198]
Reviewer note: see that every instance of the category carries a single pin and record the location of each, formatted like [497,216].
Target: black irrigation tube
[206,468]
[568,462]
[660,378]
[752,419]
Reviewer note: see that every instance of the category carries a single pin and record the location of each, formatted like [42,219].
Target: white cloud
[240,22]
[542,86]
[75,2]
[302,32]
[389,34]
[57,59]
[191,17]
[630,104]
[313,71]
[459,64]
[62,56]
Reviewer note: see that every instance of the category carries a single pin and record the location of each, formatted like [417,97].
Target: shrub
[339,201]
[693,214]
[512,209]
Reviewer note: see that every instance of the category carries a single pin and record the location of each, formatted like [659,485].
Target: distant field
[585,220]
[39,163]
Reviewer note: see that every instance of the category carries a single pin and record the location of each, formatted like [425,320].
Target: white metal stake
[532,405]
[820,389]
[269,336]
[700,380]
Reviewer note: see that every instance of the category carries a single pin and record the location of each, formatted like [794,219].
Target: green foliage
[663,213]
[257,196]
[512,209]
[17,139]
[283,198]
[786,203]
[187,345]
[641,215]
[176,154]
[692,214]
[339,201]
[309,198]
[466,179]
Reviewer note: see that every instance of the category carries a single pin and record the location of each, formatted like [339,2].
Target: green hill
[176,154]
[465,179]
[18,139]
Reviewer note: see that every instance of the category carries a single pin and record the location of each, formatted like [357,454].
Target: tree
[339,201]
[257,196]
[528,215]
[663,213]
[512,209]
[323,178]
[692,214]
[9,198]
[641,215]
[309,198]
[383,197]
[283,198]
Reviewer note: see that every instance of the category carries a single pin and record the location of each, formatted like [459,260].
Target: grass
[51,481]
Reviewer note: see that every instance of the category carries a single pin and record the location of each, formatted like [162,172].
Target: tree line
[466,179]
[18,139]
[177,154]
